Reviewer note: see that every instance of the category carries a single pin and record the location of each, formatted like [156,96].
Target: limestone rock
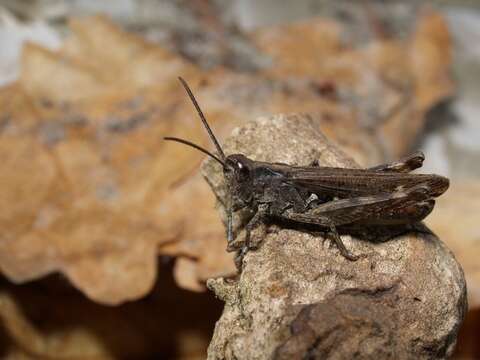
[298,298]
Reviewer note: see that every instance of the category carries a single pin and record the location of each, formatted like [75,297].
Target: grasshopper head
[237,171]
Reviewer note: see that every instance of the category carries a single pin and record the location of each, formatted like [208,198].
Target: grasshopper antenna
[202,117]
[221,160]
[198,147]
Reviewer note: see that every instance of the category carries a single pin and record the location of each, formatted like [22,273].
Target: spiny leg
[340,245]
[325,222]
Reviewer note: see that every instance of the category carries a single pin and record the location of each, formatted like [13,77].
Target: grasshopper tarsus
[327,197]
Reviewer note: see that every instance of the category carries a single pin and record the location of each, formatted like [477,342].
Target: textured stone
[297,297]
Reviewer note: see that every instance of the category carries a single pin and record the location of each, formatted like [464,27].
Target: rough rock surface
[298,298]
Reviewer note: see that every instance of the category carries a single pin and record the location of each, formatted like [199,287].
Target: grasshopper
[330,198]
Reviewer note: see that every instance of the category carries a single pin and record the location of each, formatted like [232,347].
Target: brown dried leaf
[84,171]
[99,58]
[85,123]
[430,59]
[320,41]
[386,86]
[456,221]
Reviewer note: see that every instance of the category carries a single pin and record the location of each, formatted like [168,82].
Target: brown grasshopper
[327,197]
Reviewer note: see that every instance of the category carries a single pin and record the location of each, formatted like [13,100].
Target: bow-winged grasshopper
[387,196]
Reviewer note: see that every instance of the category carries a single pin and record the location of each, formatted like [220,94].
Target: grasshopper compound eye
[243,171]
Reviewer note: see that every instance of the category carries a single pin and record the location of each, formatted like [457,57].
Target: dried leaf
[387,86]
[455,221]
[82,175]
[100,195]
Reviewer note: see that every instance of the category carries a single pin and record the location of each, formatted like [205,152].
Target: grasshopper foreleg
[247,246]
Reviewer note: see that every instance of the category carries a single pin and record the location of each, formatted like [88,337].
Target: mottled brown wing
[343,183]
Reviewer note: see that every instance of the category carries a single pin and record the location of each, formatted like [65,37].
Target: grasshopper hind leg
[404,165]
[329,225]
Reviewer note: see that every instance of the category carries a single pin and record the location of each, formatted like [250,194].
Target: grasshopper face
[237,172]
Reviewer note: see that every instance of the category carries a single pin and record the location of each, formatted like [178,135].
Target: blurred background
[108,234]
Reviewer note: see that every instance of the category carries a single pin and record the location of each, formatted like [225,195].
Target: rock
[298,298]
